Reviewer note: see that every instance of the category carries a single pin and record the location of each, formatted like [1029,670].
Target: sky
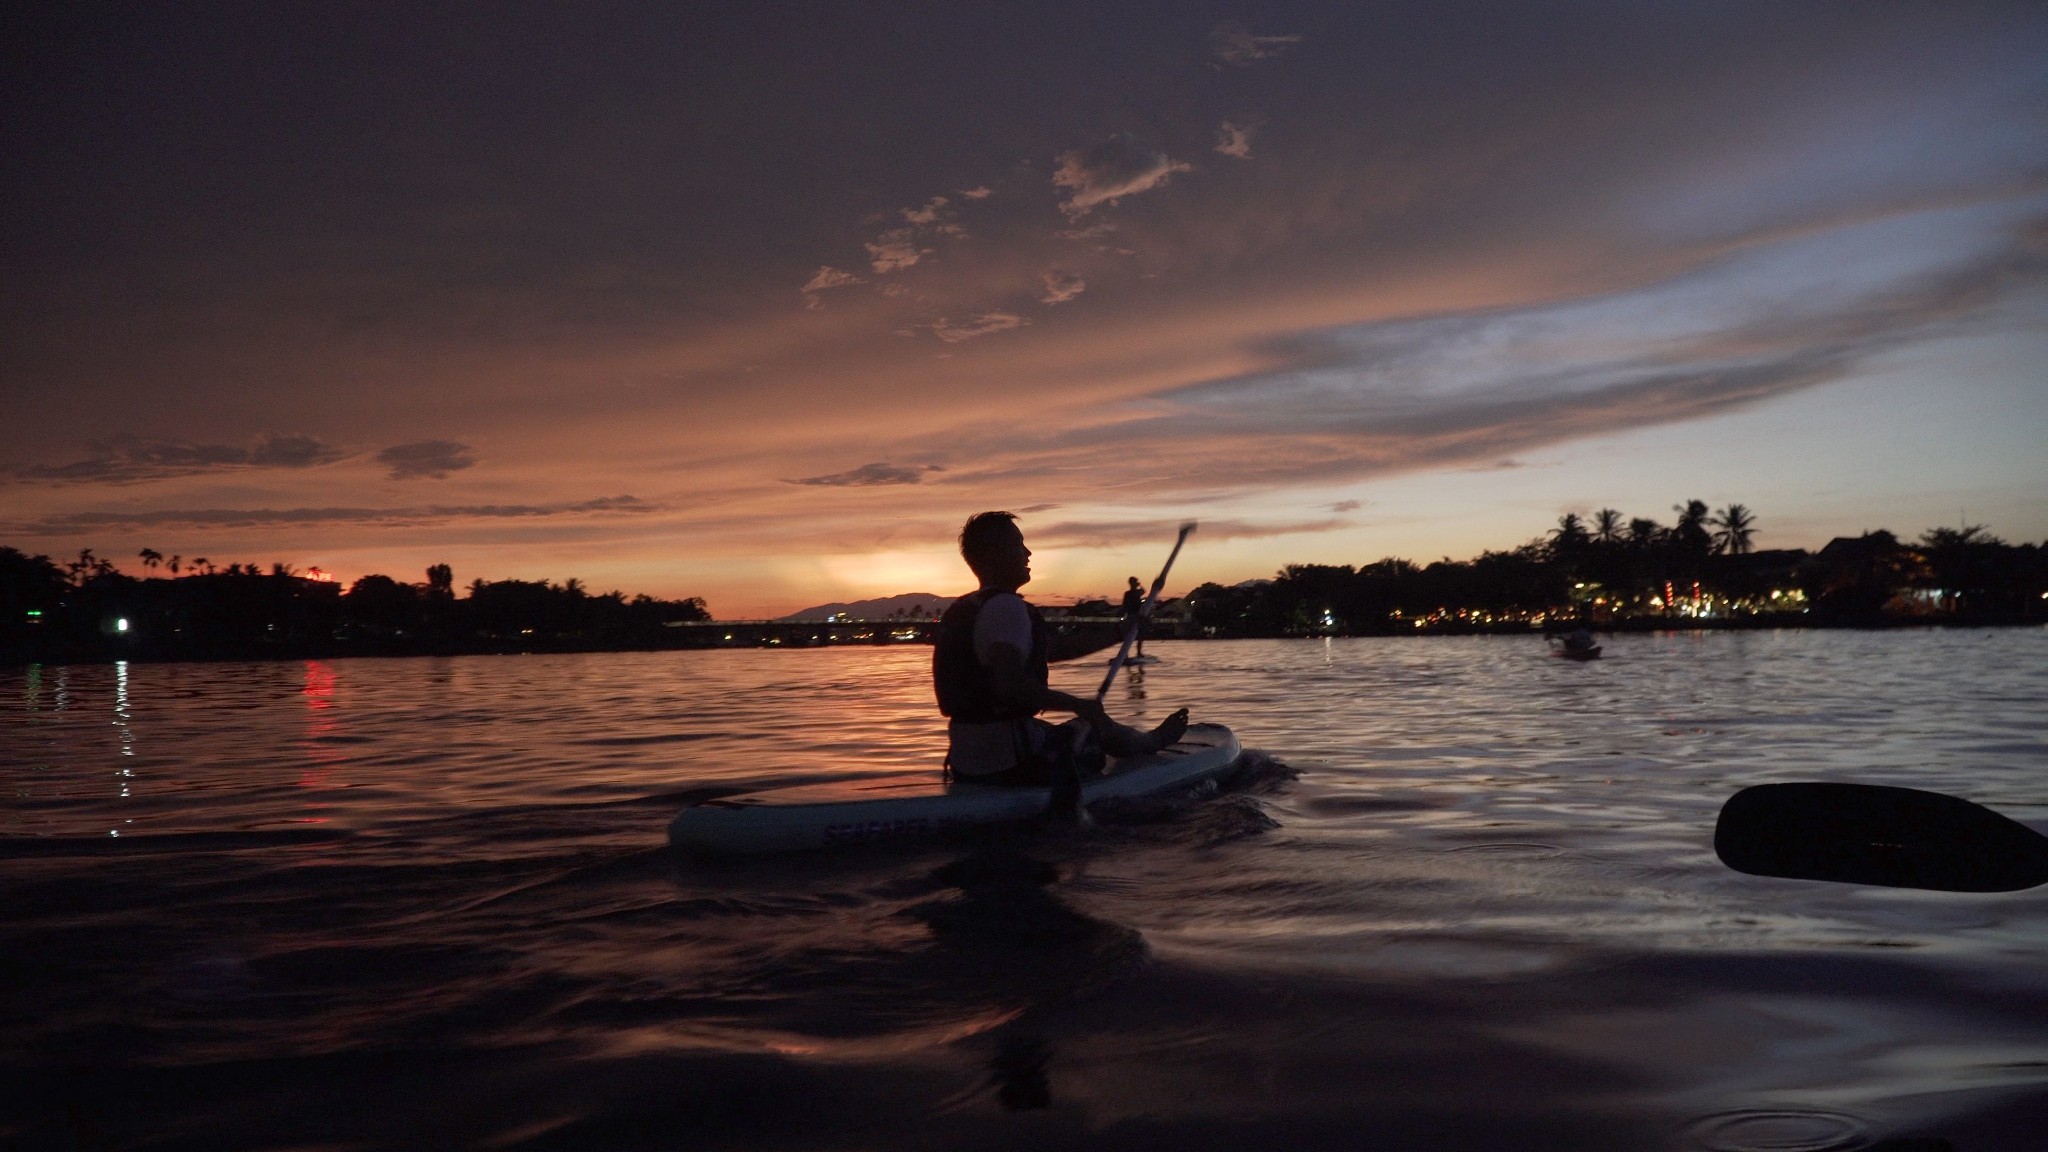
[759,302]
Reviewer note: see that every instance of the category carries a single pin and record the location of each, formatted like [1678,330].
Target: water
[427,903]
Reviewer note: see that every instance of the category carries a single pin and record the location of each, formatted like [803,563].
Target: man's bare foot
[1170,730]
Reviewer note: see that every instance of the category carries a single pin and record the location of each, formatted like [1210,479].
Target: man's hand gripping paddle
[1137,624]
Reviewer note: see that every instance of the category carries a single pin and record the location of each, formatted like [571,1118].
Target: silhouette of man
[990,671]
[1134,607]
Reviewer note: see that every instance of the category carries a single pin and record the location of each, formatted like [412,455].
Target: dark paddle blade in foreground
[1873,834]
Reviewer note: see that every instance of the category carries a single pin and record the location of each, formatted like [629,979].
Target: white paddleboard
[919,804]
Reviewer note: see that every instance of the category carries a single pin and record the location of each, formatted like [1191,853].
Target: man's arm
[1014,686]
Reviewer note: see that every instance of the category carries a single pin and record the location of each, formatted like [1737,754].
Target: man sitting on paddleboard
[990,672]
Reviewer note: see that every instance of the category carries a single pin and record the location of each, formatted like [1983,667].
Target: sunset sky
[759,302]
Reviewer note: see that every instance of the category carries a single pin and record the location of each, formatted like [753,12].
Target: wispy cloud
[1772,313]
[870,475]
[1107,172]
[1466,389]
[829,277]
[933,212]
[130,459]
[985,324]
[894,250]
[1122,533]
[74,523]
[1235,45]
[979,193]
[428,459]
[1235,139]
[1060,286]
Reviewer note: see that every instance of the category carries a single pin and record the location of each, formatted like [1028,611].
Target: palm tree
[1962,537]
[1570,531]
[150,559]
[203,562]
[1643,532]
[173,563]
[1735,525]
[1691,530]
[1607,526]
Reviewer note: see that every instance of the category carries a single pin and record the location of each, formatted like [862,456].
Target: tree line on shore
[1609,571]
[88,608]
[1612,571]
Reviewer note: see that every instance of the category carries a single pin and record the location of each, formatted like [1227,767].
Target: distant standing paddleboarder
[1134,615]
[990,671]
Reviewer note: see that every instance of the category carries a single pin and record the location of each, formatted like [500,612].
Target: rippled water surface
[428,903]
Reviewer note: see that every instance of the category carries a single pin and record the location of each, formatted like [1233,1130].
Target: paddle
[1137,624]
[1872,834]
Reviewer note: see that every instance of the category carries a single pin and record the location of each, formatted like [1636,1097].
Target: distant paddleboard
[1131,661]
[916,804]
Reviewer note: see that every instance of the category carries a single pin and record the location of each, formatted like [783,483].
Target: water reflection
[1490,905]
[124,773]
[323,724]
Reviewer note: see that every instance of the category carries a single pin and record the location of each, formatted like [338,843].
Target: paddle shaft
[1137,625]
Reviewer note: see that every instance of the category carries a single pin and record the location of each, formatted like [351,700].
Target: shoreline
[738,635]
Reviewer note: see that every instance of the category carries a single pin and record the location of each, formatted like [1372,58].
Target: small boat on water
[1577,645]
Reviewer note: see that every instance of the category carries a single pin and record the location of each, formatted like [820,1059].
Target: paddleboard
[919,804]
[1129,661]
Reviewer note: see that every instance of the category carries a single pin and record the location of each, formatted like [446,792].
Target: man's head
[1134,583]
[993,546]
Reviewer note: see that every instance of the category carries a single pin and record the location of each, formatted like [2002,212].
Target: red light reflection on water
[322,720]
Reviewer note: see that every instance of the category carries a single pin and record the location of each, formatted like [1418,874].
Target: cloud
[1121,533]
[1233,44]
[1775,312]
[1105,173]
[1347,506]
[1235,139]
[894,250]
[931,213]
[829,277]
[977,193]
[130,459]
[1478,388]
[1100,230]
[986,324]
[1060,286]
[433,459]
[74,523]
[870,475]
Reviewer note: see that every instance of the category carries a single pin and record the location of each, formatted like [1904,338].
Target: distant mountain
[908,604]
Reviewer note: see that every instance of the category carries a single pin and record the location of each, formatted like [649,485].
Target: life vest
[966,690]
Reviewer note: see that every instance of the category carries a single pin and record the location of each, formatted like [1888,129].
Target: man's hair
[982,532]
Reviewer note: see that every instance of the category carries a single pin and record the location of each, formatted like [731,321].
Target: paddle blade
[1871,834]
